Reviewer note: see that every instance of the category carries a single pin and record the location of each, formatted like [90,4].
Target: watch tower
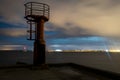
[36,15]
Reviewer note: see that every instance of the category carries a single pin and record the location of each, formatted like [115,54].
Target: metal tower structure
[36,15]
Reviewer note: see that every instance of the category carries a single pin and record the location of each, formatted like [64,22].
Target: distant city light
[116,50]
[58,50]
[14,47]
[107,50]
[6,48]
[24,48]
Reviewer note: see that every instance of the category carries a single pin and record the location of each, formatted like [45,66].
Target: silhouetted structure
[36,15]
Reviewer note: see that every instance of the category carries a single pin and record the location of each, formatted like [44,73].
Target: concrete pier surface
[52,72]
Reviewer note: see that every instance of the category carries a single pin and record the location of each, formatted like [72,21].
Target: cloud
[13,32]
[12,47]
[93,42]
[55,31]
[94,17]
[100,17]
[78,43]
[12,11]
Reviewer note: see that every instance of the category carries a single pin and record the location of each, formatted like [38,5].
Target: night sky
[73,24]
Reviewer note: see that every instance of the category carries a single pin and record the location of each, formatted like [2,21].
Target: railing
[36,9]
[31,32]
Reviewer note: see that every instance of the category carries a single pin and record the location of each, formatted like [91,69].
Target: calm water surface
[100,60]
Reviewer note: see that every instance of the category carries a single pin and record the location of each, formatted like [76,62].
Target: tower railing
[34,9]
[31,31]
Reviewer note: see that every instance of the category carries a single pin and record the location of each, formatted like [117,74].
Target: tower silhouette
[36,15]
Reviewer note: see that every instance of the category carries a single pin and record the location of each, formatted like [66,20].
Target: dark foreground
[68,71]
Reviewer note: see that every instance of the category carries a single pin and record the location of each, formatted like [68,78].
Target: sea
[109,61]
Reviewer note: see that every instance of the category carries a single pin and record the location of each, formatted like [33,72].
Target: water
[98,60]
[12,57]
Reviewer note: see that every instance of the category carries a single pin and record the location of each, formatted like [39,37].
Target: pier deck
[54,72]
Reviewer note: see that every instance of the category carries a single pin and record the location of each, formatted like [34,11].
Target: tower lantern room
[36,15]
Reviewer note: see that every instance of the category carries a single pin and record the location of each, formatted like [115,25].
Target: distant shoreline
[111,51]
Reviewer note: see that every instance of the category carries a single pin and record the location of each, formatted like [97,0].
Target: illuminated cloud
[90,43]
[13,32]
[99,17]
[68,19]
[10,47]
[78,43]
[15,47]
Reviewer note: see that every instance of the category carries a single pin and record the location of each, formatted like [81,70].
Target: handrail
[33,9]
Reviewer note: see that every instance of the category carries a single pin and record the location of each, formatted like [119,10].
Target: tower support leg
[39,53]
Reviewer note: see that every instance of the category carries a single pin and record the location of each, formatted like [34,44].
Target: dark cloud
[13,32]
[55,31]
